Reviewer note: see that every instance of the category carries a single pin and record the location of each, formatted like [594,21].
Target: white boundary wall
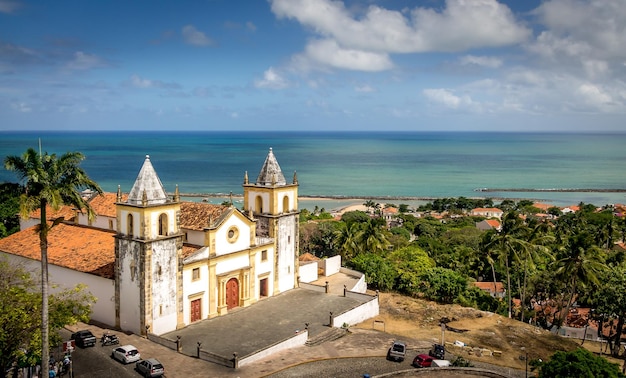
[103,289]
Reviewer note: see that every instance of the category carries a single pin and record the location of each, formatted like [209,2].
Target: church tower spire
[148,255]
[273,203]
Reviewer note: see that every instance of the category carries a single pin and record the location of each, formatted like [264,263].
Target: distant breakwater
[328,197]
[555,190]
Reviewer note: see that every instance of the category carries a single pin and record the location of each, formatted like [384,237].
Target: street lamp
[525,361]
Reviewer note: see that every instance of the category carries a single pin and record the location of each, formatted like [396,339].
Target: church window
[163,224]
[195,274]
[129,225]
[289,239]
[285,204]
[110,224]
[264,255]
[232,234]
[161,310]
[258,204]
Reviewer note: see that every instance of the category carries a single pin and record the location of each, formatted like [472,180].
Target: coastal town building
[487,212]
[156,263]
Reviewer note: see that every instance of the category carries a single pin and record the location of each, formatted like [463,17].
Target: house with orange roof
[570,209]
[487,212]
[157,263]
[489,224]
[495,289]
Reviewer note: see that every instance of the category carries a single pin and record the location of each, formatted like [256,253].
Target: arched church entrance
[232,293]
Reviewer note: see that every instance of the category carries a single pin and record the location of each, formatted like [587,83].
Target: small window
[129,225]
[195,274]
[110,224]
[232,234]
[264,255]
[163,225]
[161,310]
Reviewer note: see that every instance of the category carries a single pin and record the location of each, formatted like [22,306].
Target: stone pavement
[248,330]
[256,327]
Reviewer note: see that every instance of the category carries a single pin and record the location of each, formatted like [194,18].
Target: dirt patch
[419,319]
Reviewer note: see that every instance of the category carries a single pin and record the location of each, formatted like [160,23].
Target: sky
[365,65]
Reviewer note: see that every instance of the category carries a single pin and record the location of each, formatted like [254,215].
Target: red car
[422,360]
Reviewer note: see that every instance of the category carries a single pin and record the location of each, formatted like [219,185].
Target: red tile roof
[64,211]
[105,204]
[489,286]
[493,223]
[80,248]
[196,215]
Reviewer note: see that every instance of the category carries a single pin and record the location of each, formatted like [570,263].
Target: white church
[156,263]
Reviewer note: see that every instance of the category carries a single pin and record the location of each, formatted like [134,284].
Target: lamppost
[525,361]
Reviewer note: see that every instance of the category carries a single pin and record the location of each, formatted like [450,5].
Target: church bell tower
[148,257]
[274,204]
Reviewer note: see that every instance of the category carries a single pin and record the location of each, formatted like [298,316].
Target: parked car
[422,360]
[397,351]
[126,354]
[438,351]
[150,368]
[440,363]
[84,338]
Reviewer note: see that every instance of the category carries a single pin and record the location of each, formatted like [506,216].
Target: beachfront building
[156,263]
[487,212]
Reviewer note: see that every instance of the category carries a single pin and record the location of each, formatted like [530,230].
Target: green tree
[373,237]
[20,320]
[379,271]
[442,285]
[580,266]
[9,208]
[505,245]
[50,181]
[347,240]
[609,300]
[579,363]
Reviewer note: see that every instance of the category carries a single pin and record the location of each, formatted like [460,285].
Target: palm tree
[582,265]
[49,181]
[506,244]
[346,238]
[369,204]
[373,237]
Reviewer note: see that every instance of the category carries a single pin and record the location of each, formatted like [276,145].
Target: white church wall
[129,287]
[102,288]
[234,263]
[308,271]
[163,286]
[196,289]
[286,269]
[224,245]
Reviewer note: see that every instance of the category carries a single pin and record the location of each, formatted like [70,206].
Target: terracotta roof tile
[196,215]
[64,211]
[189,249]
[75,247]
[104,204]
[488,286]
[493,223]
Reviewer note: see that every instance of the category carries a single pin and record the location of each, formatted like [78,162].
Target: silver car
[126,354]
[150,368]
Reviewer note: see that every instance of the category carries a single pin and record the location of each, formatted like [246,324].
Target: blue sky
[555,65]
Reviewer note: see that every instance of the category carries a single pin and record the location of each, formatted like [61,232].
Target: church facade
[173,262]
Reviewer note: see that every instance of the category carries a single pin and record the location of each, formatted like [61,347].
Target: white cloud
[251,26]
[21,107]
[447,98]
[483,61]
[364,89]
[271,80]
[461,25]
[137,81]
[193,36]
[82,61]
[328,52]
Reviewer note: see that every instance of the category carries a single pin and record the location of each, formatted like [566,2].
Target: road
[97,362]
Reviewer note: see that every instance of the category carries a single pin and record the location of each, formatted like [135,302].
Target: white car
[126,354]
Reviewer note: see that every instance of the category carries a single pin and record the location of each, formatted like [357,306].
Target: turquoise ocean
[414,166]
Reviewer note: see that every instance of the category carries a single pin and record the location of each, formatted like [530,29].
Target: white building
[157,264]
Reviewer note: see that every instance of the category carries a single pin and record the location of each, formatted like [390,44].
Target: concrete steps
[328,335]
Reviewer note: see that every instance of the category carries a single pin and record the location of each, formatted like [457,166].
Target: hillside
[420,319]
